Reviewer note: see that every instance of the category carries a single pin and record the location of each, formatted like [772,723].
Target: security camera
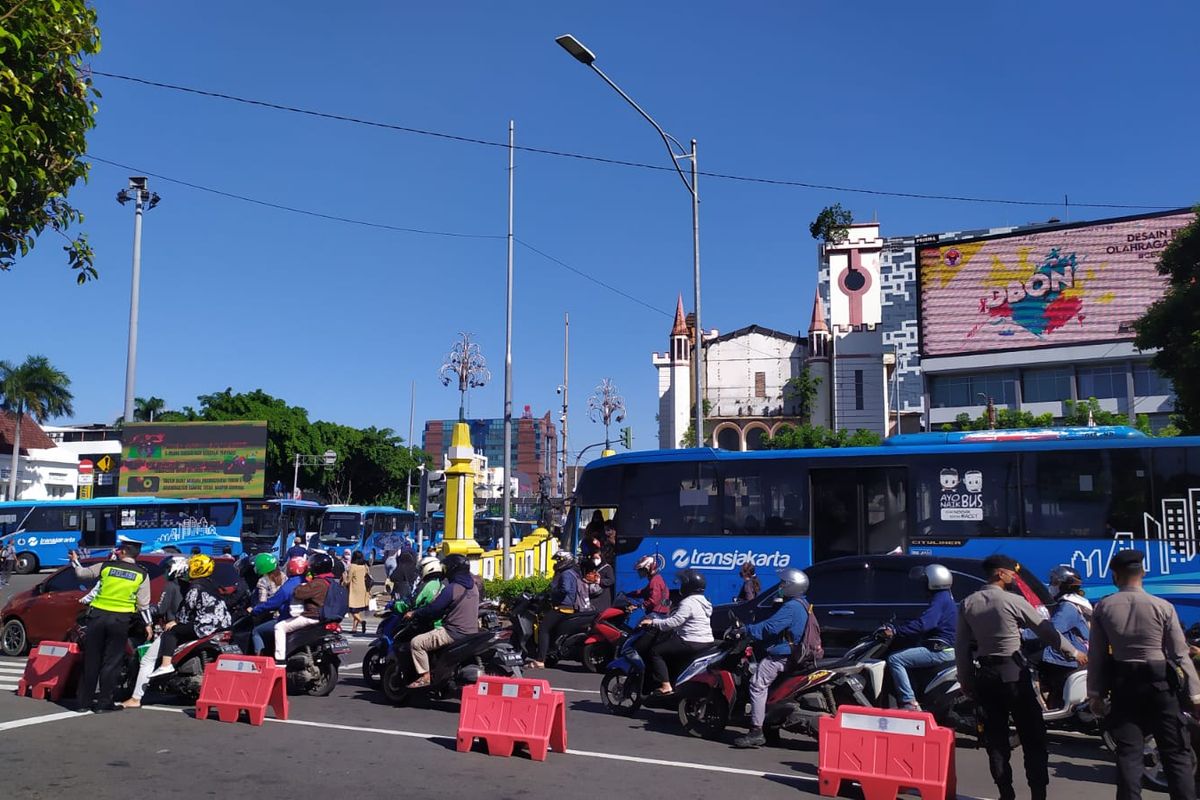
[559,390]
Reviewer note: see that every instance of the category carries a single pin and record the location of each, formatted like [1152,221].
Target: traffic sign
[86,466]
[106,464]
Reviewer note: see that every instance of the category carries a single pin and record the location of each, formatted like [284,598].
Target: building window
[1147,382]
[760,384]
[858,390]
[1102,382]
[949,391]
[1045,385]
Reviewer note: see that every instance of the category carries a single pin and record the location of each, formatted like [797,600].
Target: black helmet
[454,563]
[320,563]
[563,561]
[692,582]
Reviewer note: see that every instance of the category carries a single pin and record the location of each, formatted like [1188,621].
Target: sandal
[662,692]
[419,683]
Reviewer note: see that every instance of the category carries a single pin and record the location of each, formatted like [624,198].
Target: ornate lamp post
[606,406]
[465,365]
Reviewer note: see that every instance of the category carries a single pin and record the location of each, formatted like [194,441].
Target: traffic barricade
[505,711]
[48,670]
[233,684]
[886,750]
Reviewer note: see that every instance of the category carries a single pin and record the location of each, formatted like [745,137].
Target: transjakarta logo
[716,560]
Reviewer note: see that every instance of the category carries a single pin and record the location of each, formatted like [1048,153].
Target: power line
[593,279]
[614,161]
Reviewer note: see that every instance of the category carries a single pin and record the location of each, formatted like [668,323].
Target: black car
[854,595]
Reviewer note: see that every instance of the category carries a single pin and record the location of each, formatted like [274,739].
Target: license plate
[340,646]
[230,648]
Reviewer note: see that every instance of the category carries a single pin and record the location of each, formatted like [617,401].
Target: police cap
[130,545]
[1126,560]
[999,561]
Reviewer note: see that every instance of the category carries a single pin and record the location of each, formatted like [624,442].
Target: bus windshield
[341,529]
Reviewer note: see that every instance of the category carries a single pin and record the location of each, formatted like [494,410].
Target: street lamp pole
[143,199]
[678,153]
[506,571]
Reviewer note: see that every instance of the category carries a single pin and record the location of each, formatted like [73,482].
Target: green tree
[46,110]
[146,409]
[802,392]
[831,224]
[810,437]
[35,388]
[288,428]
[1172,324]
[688,439]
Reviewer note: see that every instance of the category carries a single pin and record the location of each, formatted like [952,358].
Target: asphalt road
[354,742]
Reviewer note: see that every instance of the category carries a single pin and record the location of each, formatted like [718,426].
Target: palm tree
[35,388]
[146,408]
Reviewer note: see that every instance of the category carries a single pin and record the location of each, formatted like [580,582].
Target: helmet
[200,566]
[320,563]
[265,564]
[936,576]
[177,567]
[646,566]
[297,565]
[692,582]
[454,564]
[429,566]
[1062,577]
[793,582]
[563,561]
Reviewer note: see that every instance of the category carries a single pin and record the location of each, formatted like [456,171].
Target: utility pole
[507,493]
[565,388]
[143,199]
[412,405]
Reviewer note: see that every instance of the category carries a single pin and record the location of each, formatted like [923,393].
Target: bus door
[100,527]
[858,511]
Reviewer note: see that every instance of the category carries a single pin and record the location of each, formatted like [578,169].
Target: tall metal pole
[698,361]
[131,355]
[412,406]
[296,478]
[566,385]
[507,493]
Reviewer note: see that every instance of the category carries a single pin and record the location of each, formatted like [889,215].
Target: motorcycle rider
[165,612]
[778,632]
[692,623]
[1072,617]
[280,602]
[202,613]
[312,595]
[430,586]
[297,549]
[655,597]
[270,576]
[934,633]
[568,595]
[457,606]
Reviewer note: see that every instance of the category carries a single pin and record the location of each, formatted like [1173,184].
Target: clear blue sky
[1025,101]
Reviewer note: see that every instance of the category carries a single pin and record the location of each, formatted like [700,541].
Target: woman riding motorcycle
[692,624]
[1072,617]
[202,613]
[280,602]
[270,576]
[165,612]
[655,597]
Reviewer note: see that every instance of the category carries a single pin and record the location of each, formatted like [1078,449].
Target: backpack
[337,602]
[809,650]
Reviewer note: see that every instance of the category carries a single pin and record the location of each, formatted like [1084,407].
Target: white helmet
[646,566]
[429,566]
[936,576]
[177,567]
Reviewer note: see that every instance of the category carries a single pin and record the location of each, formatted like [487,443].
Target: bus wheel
[27,564]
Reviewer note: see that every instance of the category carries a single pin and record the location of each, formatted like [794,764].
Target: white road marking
[577,691]
[351,667]
[24,723]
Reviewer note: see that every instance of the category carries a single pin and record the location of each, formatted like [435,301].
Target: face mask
[595,561]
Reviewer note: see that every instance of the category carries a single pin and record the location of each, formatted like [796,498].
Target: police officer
[989,632]
[1145,676]
[123,592]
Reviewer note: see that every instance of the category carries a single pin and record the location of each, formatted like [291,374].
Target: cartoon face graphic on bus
[973,480]
[949,480]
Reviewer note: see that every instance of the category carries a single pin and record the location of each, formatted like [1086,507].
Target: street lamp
[326,460]
[465,365]
[678,153]
[143,200]
[605,406]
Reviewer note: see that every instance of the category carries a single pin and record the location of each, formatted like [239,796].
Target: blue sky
[1029,101]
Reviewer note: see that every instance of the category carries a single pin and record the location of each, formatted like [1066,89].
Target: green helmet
[265,564]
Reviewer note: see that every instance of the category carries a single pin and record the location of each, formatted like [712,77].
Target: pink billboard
[1071,285]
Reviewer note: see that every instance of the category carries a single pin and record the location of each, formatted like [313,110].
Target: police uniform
[989,632]
[1140,662]
[122,596]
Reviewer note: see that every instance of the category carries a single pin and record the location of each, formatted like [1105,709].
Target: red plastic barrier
[885,750]
[48,669]
[233,684]
[504,711]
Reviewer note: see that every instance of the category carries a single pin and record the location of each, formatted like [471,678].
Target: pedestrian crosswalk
[11,670]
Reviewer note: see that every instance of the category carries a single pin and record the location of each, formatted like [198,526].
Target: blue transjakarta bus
[44,531]
[269,525]
[1046,497]
[376,530]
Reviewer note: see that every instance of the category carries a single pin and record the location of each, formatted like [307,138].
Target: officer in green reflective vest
[122,596]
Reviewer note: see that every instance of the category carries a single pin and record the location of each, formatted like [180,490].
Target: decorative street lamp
[465,365]
[606,406]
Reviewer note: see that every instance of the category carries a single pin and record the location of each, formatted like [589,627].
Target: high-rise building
[534,446]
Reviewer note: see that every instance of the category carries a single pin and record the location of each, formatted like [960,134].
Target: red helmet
[297,565]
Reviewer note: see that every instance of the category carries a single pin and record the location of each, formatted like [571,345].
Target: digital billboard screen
[1069,285]
[193,459]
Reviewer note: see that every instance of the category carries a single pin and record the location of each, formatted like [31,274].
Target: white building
[43,470]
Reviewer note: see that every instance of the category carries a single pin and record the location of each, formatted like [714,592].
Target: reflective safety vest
[119,584]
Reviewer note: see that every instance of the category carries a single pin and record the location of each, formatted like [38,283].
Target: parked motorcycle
[456,665]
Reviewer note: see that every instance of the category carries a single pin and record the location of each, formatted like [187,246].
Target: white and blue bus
[1045,497]
[269,525]
[376,530]
[44,531]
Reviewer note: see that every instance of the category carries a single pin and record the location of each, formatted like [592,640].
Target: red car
[48,611]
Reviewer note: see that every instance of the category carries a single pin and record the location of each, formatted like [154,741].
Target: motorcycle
[714,692]
[389,627]
[609,631]
[526,616]
[456,665]
[624,689]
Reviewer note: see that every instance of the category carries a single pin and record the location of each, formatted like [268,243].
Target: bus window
[48,519]
[967,495]
[11,518]
[1176,471]
[764,497]
[1066,493]
[100,527]
[669,499]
